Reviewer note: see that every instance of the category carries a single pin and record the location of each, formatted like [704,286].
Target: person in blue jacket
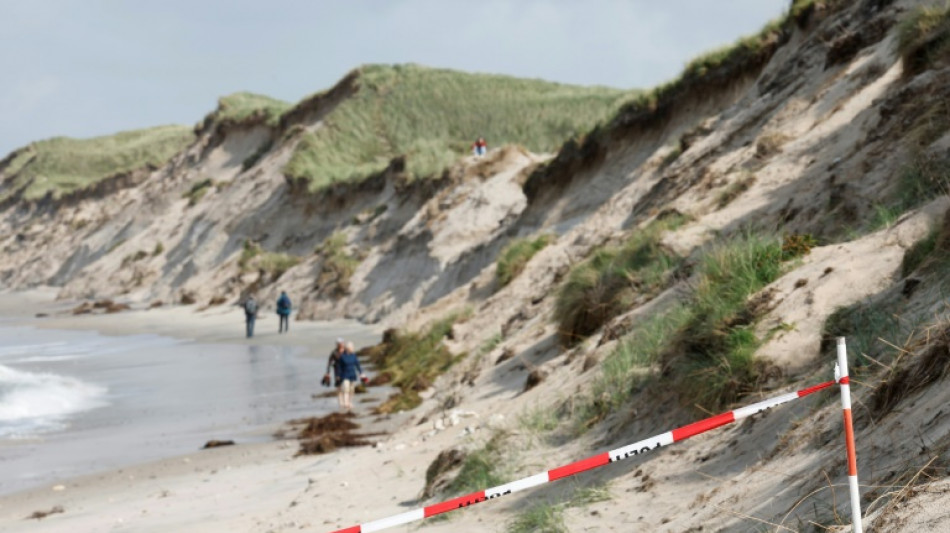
[350,371]
[283,311]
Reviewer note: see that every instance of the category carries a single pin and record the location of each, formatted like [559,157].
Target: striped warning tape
[583,465]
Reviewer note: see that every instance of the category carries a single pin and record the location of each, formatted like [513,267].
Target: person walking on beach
[334,364]
[250,315]
[283,311]
[351,371]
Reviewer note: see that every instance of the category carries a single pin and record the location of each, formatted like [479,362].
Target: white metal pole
[841,375]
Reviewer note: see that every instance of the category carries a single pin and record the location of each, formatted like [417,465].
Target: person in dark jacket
[350,371]
[283,311]
[333,364]
[250,315]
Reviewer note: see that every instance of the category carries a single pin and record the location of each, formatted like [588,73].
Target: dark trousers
[250,325]
[284,323]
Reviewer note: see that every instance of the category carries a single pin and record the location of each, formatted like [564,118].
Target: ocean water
[76,402]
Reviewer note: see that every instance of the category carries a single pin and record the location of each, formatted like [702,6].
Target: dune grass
[607,283]
[274,264]
[482,468]
[338,264]
[244,106]
[198,191]
[716,364]
[548,517]
[516,255]
[703,347]
[410,361]
[924,38]
[61,165]
[432,116]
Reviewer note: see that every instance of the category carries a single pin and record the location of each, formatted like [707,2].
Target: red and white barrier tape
[583,465]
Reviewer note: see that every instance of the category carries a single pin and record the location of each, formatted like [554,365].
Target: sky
[83,68]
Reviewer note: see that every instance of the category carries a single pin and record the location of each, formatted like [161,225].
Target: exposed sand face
[833,153]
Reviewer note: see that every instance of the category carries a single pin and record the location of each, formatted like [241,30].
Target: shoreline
[142,480]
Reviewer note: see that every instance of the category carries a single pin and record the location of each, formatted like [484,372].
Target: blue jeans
[250,325]
[284,323]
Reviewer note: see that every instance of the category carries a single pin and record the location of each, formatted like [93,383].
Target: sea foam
[34,402]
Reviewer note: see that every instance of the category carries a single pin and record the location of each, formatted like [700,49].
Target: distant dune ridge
[665,254]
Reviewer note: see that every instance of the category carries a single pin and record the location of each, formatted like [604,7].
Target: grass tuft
[274,264]
[705,345]
[915,256]
[734,189]
[516,255]
[411,361]
[249,107]
[924,38]
[338,264]
[540,517]
[608,282]
[480,468]
[797,245]
[198,191]
[864,324]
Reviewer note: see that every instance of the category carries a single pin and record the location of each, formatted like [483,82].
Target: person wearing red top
[480,147]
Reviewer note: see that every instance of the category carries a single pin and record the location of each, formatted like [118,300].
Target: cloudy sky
[91,67]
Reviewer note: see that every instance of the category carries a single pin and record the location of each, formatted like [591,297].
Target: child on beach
[351,371]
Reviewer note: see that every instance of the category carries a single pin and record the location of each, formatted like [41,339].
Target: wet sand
[183,378]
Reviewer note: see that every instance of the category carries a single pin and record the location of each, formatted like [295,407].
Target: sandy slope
[835,129]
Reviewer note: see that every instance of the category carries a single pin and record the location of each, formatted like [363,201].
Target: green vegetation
[516,255]
[250,250]
[198,191]
[543,517]
[704,345]
[538,419]
[738,52]
[245,107]
[62,165]
[549,518]
[797,244]
[490,344]
[411,361]
[133,258]
[734,189]
[924,179]
[272,263]
[159,248]
[338,264]
[608,282]
[718,344]
[916,254]
[865,324]
[480,468]
[628,364]
[924,38]
[275,263]
[771,143]
[433,115]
